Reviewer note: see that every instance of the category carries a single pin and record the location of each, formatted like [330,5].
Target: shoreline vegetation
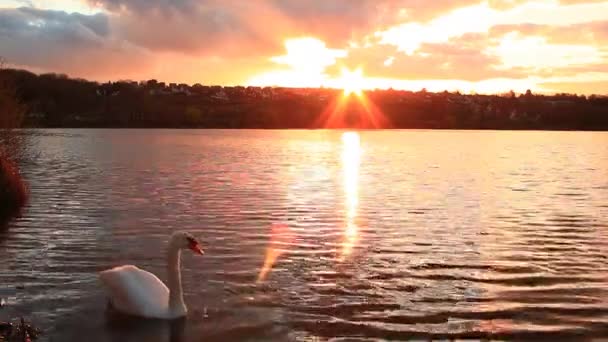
[57,101]
[13,192]
[18,331]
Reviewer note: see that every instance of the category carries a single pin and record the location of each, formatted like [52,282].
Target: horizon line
[423,89]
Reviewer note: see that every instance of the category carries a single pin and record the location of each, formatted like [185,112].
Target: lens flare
[281,237]
[356,111]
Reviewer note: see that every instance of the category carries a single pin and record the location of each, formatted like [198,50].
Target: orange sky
[466,45]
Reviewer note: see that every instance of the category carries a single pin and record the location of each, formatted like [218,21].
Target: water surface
[370,235]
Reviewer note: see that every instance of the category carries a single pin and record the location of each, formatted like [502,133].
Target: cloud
[144,5]
[583,87]
[69,6]
[462,59]
[592,33]
[229,27]
[482,17]
[536,53]
[199,26]
[54,22]
[190,27]
[518,42]
[55,40]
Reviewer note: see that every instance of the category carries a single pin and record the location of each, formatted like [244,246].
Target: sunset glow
[313,170]
[306,59]
[466,46]
[352,82]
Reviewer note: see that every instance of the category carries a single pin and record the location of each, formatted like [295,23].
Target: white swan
[140,293]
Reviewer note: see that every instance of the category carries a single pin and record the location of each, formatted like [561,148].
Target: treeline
[53,100]
[11,111]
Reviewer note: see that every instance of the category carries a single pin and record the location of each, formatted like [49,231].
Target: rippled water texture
[376,234]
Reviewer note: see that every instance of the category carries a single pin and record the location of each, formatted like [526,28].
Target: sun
[352,82]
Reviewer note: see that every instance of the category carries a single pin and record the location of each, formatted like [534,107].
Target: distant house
[36,115]
[155,91]
[182,89]
[220,96]
[556,103]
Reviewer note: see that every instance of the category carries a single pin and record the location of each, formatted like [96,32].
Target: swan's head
[185,240]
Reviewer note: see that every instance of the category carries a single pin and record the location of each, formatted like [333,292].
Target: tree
[11,110]
[193,115]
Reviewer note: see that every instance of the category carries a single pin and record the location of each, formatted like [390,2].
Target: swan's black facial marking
[194,245]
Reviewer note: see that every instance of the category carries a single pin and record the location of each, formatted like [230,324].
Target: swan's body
[140,293]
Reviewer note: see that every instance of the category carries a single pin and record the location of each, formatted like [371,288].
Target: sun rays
[352,109]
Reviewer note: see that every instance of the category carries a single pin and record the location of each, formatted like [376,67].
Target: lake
[317,234]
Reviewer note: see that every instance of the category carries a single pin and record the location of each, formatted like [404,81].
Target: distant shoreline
[56,101]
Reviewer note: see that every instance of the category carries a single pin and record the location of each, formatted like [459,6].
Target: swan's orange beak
[196,248]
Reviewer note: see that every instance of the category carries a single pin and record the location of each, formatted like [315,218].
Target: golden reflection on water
[351,159]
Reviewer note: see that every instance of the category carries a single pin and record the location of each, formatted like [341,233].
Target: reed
[18,332]
[13,191]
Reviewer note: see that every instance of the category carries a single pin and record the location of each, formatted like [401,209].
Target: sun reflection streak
[351,159]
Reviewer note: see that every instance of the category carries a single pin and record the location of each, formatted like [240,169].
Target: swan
[136,292]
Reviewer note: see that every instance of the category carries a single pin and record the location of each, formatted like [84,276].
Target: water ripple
[389,235]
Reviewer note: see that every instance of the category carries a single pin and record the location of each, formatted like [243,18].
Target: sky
[471,46]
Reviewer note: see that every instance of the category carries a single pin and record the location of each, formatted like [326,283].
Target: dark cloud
[58,41]
[231,26]
[208,27]
[56,23]
[145,5]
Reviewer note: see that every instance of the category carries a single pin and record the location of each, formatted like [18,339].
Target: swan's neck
[176,297]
